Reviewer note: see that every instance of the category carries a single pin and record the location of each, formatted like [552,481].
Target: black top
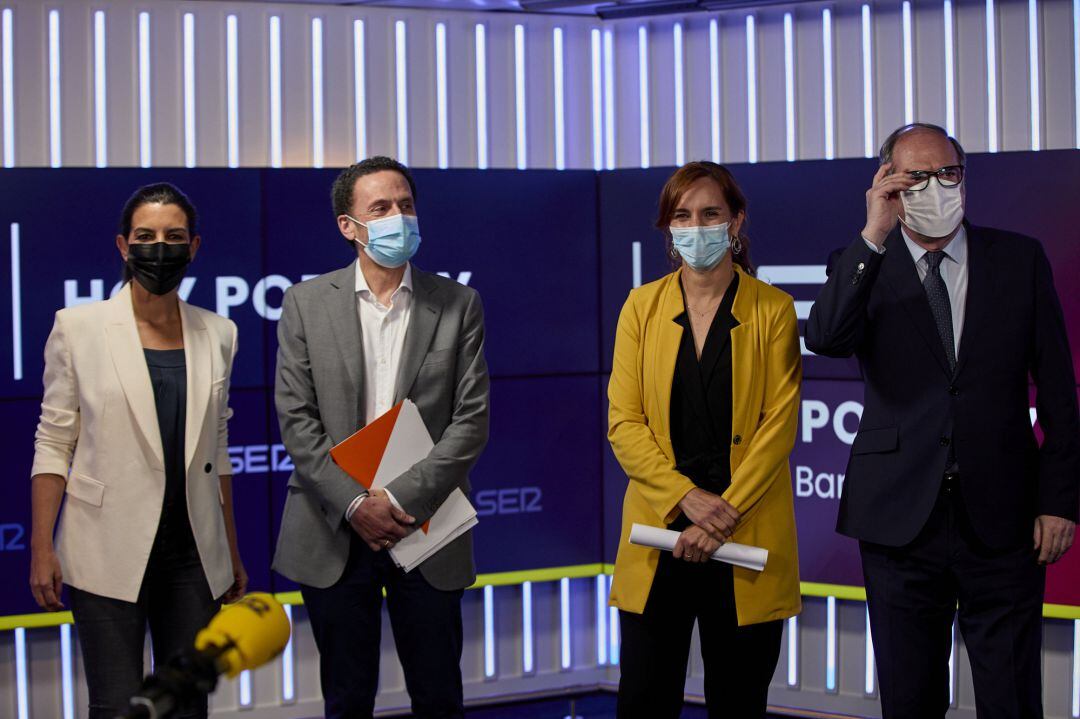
[168,375]
[701,402]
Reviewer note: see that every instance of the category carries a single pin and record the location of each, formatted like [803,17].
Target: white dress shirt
[382,332]
[953,269]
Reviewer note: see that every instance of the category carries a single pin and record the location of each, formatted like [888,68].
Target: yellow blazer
[766,376]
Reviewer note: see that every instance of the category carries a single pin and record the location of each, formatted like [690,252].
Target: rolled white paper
[739,555]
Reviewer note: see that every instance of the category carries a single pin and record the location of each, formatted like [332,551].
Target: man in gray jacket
[352,344]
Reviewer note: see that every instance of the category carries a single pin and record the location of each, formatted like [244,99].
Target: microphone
[243,635]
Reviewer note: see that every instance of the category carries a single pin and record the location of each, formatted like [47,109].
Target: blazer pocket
[872,441]
[85,489]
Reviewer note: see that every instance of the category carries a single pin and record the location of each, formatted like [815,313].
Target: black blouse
[701,402]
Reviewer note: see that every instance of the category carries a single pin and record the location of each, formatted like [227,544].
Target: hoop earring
[673,252]
[736,246]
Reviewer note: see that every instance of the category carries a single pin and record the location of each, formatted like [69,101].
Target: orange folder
[361,453]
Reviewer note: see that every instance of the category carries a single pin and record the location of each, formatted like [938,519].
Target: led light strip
[232,90]
[560,127]
[489,632]
[793,651]
[950,71]
[909,64]
[317,149]
[145,117]
[868,83]
[16,304]
[359,91]
[189,90]
[7,77]
[751,89]
[609,99]
[601,620]
[1033,60]
[275,91]
[519,96]
[643,94]
[528,653]
[67,673]
[55,148]
[564,622]
[830,644]
[680,127]
[401,77]
[22,684]
[714,85]
[597,99]
[868,658]
[442,123]
[827,71]
[288,665]
[991,77]
[481,98]
[101,104]
[789,86]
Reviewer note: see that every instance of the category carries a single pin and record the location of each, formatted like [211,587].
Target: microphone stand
[187,676]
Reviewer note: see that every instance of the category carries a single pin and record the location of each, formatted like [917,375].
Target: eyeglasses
[949,176]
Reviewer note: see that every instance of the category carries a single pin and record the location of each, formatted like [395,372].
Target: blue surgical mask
[701,248]
[392,241]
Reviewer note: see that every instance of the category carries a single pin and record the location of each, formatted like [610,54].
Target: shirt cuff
[393,501]
[874,248]
[353,506]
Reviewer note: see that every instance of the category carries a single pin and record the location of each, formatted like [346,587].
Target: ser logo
[514,500]
[12,538]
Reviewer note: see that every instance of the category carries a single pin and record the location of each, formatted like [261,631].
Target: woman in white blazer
[133,430]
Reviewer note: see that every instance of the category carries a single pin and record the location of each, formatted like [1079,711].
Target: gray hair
[886,153]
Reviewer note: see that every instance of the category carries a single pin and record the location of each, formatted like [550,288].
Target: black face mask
[158,266]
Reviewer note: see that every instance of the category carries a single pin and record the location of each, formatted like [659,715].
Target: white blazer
[99,429]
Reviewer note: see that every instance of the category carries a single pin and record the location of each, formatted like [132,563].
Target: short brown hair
[680,182]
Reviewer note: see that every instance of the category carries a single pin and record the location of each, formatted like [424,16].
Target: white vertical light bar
[489,631]
[868,83]
[950,72]
[714,86]
[751,88]
[827,70]
[245,688]
[830,644]
[401,76]
[793,651]
[16,304]
[560,122]
[680,129]
[1076,72]
[189,90]
[22,686]
[1033,60]
[55,150]
[609,100]
[564,621]
[316,92]
[275,91]
[145,146]
[597,100]
[868,679]
[601,619]
[952,664]
[528,654]
[635,262]
[67,673]
[909,64]
[288,664]
[7,77]
[519,96]
[101,104]
[1076,634]
[789,85]
[643,92]
[359,91]
[481,97]
[442,122]
[991,78]
[232,90]
[613,631]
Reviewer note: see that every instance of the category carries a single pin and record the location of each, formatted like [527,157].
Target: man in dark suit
[954,502]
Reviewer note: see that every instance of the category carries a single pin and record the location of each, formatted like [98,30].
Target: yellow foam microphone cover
[252,631]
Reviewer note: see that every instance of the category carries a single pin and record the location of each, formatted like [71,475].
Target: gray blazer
[319,395]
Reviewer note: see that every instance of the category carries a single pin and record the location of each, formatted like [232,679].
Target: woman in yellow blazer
[704,396]
[134,431]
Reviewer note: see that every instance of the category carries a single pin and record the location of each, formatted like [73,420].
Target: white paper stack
[409,443]
[739,555]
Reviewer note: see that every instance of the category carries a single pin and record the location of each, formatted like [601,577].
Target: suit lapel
[345,319]
[979,293]
[198,359]
[423,320]
[126,350]
[899,270]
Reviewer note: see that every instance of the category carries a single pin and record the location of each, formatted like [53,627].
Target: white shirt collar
[956,250]
[362,285]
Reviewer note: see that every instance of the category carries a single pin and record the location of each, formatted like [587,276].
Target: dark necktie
[938,295]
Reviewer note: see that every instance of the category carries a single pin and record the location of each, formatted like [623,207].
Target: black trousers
[913,593]
[346,619]
[739,661]
[174,600]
